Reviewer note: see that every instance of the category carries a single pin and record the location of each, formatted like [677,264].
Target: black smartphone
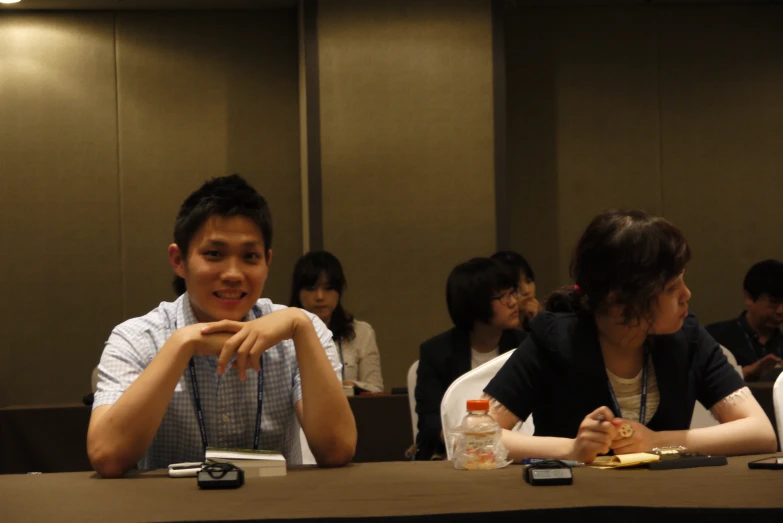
[233,478]
[772,462]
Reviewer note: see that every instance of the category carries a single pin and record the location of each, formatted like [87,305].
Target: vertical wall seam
[659,101]
[502,211]
[313,125]
[123,264]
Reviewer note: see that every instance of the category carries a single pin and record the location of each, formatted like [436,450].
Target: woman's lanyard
[643,401]
[342,361]
[197,398]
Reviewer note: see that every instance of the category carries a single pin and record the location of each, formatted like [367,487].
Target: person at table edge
[219,353]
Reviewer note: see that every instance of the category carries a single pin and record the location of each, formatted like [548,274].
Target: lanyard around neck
[197,398]
[643,400]
[200,413]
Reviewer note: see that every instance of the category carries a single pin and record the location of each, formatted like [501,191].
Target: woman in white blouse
[317,286]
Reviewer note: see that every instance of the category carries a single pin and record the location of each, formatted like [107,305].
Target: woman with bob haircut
[616,362]
[482,298]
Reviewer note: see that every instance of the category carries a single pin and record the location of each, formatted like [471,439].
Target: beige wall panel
[607,118]
[407,158]
[203,95]
[583,126]
[531,94]
[722,122]
[58,203]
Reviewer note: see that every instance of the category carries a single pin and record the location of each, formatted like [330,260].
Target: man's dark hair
[765,277]
[470,288]
[307,271]
[226,196]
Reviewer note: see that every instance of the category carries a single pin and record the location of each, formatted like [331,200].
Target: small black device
[772,462]
[549,472]
[218,475]
[687,460]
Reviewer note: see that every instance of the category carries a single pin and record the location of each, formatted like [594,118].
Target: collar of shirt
[772,342]
[185,315]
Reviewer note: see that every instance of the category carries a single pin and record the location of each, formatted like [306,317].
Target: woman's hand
[642,439]
[595,436]
[530,307]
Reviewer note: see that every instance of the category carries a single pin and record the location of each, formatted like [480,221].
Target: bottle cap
[478,404]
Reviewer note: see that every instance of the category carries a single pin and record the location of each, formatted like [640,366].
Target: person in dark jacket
[616,362]
[482,299]
[754,337]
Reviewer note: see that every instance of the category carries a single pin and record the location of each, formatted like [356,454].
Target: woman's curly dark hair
[631,254]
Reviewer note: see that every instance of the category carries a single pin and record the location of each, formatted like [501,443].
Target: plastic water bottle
[478,442]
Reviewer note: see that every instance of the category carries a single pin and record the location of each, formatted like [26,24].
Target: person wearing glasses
[528,304]
[482,300]
[317,286]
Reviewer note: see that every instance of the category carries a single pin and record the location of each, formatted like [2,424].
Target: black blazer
[558,375]
[442,360]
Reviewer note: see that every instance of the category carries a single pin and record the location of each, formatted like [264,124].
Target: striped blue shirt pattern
[229,405]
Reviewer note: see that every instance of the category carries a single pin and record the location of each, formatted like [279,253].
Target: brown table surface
[400,489]
[53,438]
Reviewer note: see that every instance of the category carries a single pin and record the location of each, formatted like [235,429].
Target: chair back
[412,398]
[94,380]
[777,400]
[304,447]
[470,386]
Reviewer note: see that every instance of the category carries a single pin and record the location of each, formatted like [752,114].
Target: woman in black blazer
[482,298]
[616,362]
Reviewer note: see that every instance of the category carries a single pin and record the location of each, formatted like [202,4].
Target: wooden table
[403,492]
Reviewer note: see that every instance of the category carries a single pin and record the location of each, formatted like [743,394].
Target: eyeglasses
[508,298]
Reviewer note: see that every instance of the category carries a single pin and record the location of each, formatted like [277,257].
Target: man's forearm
[120,435]
[749,372]
[326,416]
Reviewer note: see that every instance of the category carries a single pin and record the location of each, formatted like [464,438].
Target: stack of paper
[624,460]
[263,463]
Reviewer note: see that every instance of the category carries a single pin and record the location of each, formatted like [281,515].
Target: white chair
[307,454]
[703,418]
[777,400]
[94,380]
[412,398]
[470,386]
